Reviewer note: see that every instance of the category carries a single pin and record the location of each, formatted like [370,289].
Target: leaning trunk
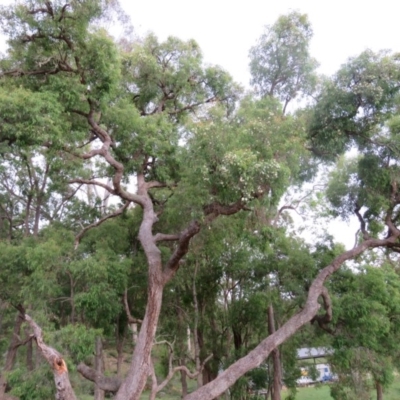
[136,379]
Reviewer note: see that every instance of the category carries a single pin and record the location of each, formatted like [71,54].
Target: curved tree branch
[253,359]
[107,383]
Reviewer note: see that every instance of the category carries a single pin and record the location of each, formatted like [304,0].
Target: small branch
[131,320]
[365,234]
[62,16]
[99,222]
[323,320]
[215,209]
[107,383]
[172,371]
[155,184]
[92,182]
[183,246]
[161,237]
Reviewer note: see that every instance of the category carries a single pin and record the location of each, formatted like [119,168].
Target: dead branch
[172,371]
[54,358]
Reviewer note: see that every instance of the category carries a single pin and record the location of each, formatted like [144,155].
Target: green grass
[322,392]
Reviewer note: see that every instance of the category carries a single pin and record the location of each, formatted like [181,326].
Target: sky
[226,30]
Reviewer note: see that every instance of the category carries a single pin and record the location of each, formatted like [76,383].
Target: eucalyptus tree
[280,63]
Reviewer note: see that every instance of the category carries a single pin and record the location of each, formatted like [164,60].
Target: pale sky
[226,30]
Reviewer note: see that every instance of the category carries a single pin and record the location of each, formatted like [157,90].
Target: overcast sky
[225,30]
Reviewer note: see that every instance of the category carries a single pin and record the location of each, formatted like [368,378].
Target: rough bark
[276,386]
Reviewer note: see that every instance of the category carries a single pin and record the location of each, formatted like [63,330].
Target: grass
[322,392]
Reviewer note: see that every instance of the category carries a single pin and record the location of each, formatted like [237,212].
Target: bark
[139,370]
[29,355]
[379,391]
[64,389]
[255,357]
[120,353]
[183,378]
[196,330]
[106,383]
[99,367]
[276,386]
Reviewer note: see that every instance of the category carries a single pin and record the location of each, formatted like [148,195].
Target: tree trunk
[99,367]
[379,391]
[29,356]
[183,379]
[139,370]
[196,331]
[120,353]
[277,385]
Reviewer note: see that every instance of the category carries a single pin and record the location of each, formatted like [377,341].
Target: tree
[280,63]
[152,111]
